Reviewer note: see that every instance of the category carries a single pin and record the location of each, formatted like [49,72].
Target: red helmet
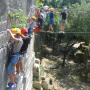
[24,30]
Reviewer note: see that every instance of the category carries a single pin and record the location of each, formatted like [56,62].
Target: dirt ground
[62,78]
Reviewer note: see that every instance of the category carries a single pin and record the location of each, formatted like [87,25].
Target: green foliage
[79,19]
[39,3]
[69,2]
[53,3]
[56,24]
[18,16]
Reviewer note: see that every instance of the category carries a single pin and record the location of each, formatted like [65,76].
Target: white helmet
[64,8]
[46,7]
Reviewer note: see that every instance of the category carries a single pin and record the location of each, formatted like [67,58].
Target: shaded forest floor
[64,78]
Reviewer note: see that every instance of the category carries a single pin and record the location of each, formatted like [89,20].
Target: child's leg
[11,72]
[15,61]
[62,26]
[50,28]
[17,68]
[19,65]
[12,78]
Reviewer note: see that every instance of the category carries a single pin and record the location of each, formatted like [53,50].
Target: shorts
[30,30]
[51,22]
[10,68]
[15,58]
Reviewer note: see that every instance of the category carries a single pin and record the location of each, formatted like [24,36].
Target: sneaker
[11,85]
[61,32]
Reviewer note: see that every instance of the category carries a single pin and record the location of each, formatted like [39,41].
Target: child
[17,43]
[63,19]
[23,50]
[40,21]
[32,25]
[26,40]
[51,19]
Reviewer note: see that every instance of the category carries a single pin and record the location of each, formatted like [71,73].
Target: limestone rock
[37,85]
[36,69]
[44,84]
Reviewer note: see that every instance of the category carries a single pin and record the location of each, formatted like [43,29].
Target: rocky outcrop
[3,7]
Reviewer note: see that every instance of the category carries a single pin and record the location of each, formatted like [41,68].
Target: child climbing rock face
[26,40]
[32,24]
[23,50]
[17,44]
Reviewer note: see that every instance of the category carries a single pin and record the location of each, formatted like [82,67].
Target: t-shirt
[17,45]
[44,15]
[63,14]
[40,21]
[51,15]
[31,27]
[24,47]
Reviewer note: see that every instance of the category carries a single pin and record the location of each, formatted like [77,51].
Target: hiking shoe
[61,32]
[11,85]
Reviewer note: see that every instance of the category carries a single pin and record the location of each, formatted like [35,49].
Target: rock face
[7,6]
[3,7]
[36,70]
[3,53]
[44,84]
[19,4]
[13,5]
[26,82]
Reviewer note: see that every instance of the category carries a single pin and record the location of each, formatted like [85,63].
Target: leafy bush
[17,19]
[79,19]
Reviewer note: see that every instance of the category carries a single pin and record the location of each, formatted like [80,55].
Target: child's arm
[12,35]
[24,36]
